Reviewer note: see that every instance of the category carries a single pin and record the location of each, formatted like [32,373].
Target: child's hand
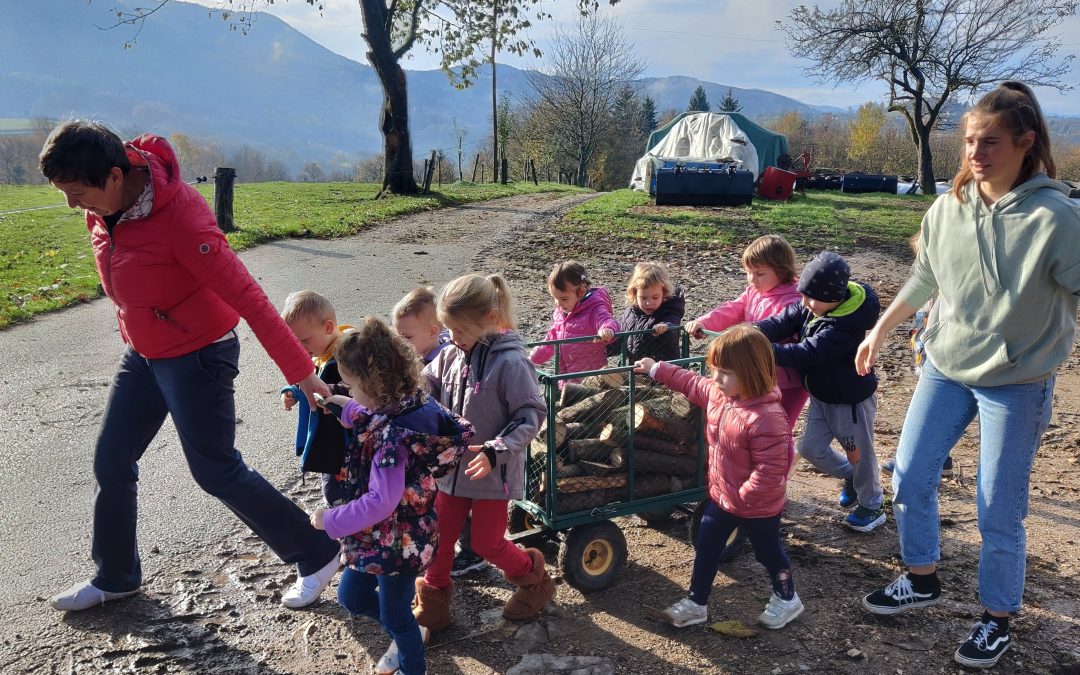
[317,517]
[659,329]
[605,335]
[644,365]
[287,400]
[695,329]
[336,399]
[479,467]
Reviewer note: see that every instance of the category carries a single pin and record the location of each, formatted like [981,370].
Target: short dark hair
[82,151]
[569,273]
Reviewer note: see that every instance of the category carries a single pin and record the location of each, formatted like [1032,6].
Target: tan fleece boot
[535,590]
[431,606]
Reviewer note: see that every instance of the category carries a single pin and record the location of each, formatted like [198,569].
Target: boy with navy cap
[827,327]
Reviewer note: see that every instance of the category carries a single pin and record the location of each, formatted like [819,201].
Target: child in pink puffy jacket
[769,262]
[580,310]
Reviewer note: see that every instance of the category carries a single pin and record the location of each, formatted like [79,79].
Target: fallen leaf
[732,628]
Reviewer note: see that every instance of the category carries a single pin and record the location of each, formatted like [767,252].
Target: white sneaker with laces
[779,612]
[389,663]
[307,589]
[685,613]
[84,595]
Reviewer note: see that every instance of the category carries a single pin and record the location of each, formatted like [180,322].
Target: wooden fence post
[536,179]
[429,173]
[475,165]
[224,178]
[505,170]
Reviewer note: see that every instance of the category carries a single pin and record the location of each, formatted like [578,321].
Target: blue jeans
[196,389]
[1012,419]
[386,598]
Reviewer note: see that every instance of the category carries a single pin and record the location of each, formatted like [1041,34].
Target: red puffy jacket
[750,448]
[176,284]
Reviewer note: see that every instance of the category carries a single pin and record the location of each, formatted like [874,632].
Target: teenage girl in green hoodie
[1002,252]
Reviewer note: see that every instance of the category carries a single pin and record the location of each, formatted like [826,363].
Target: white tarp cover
[703,137]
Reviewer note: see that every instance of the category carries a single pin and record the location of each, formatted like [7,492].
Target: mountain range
[272,88]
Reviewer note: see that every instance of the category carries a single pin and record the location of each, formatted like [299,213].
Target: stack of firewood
[592,433]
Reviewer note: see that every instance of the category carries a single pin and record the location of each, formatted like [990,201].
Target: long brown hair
[385,364]
[746,351]
[1012,105]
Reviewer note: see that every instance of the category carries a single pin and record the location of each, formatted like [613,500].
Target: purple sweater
[385,490]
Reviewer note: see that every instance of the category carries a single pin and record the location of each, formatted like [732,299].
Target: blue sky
[731,42]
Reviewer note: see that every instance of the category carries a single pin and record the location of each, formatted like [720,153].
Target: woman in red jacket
[179,292]
[750,453]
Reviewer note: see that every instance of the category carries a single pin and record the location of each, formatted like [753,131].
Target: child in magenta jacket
[750,454]
[580,310]
[769,262]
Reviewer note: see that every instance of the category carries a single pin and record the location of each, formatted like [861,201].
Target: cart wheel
[656,518]
[731,548]
[520,520]
[591,555]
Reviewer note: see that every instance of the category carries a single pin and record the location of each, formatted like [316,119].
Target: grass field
[816,220]
[45,257]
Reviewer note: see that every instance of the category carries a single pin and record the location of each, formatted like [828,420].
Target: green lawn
[46,262]
[818,220]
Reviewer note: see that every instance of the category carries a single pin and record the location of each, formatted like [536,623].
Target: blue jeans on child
[387,598]
[764,535]
[1012,419]
[196,389]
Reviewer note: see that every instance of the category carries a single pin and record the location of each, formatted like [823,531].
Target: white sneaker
[84,595]
[307,589]
[685,613]
[391,660]
[779,612]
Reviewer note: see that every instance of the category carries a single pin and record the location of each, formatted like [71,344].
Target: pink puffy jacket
[750,447]
[754,306]
[176,284]
[588,316]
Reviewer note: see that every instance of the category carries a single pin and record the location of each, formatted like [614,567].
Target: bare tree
[929,51]
[455,29]
[589,68]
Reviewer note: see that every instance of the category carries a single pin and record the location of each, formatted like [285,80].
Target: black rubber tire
[519,520]
[656,518]
[591,555]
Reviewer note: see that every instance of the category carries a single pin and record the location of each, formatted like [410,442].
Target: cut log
[586,483]
[663,446]
[573,392]
[682,407]
[654,462]
[598,469]
[605,381]
[615,435]
[657,417]
[593,407]
[588,449]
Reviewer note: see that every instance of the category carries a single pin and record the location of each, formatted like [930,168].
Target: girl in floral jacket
[400,441]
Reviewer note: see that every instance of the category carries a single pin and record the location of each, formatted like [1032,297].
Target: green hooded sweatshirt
[1008,281]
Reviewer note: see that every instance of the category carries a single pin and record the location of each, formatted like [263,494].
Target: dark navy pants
[764,535]
[197,390]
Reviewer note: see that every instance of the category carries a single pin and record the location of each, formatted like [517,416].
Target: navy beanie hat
[825,278]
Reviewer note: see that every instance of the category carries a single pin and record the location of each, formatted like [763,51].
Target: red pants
[793,400]
[488,537]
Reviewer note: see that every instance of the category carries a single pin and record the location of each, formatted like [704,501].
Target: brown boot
[535,590]
[431,606]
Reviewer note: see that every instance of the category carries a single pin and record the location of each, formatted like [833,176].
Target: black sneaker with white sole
[987,642]
[900,596]
[466,562]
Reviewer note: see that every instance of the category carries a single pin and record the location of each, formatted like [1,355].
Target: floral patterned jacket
[406,541]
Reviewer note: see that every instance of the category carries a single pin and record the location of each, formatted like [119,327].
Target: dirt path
[212,590]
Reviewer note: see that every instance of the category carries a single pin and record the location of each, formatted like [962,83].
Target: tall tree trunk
[397,144]
[582,167]
[926,163]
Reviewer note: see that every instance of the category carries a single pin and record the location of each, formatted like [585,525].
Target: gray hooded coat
[492,386]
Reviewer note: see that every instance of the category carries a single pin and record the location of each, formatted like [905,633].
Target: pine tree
[699,102]
[648,115]
[729,103]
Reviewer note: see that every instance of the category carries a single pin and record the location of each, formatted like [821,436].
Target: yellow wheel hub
[597,557]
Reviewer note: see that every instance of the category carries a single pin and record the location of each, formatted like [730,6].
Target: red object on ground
[777,184]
